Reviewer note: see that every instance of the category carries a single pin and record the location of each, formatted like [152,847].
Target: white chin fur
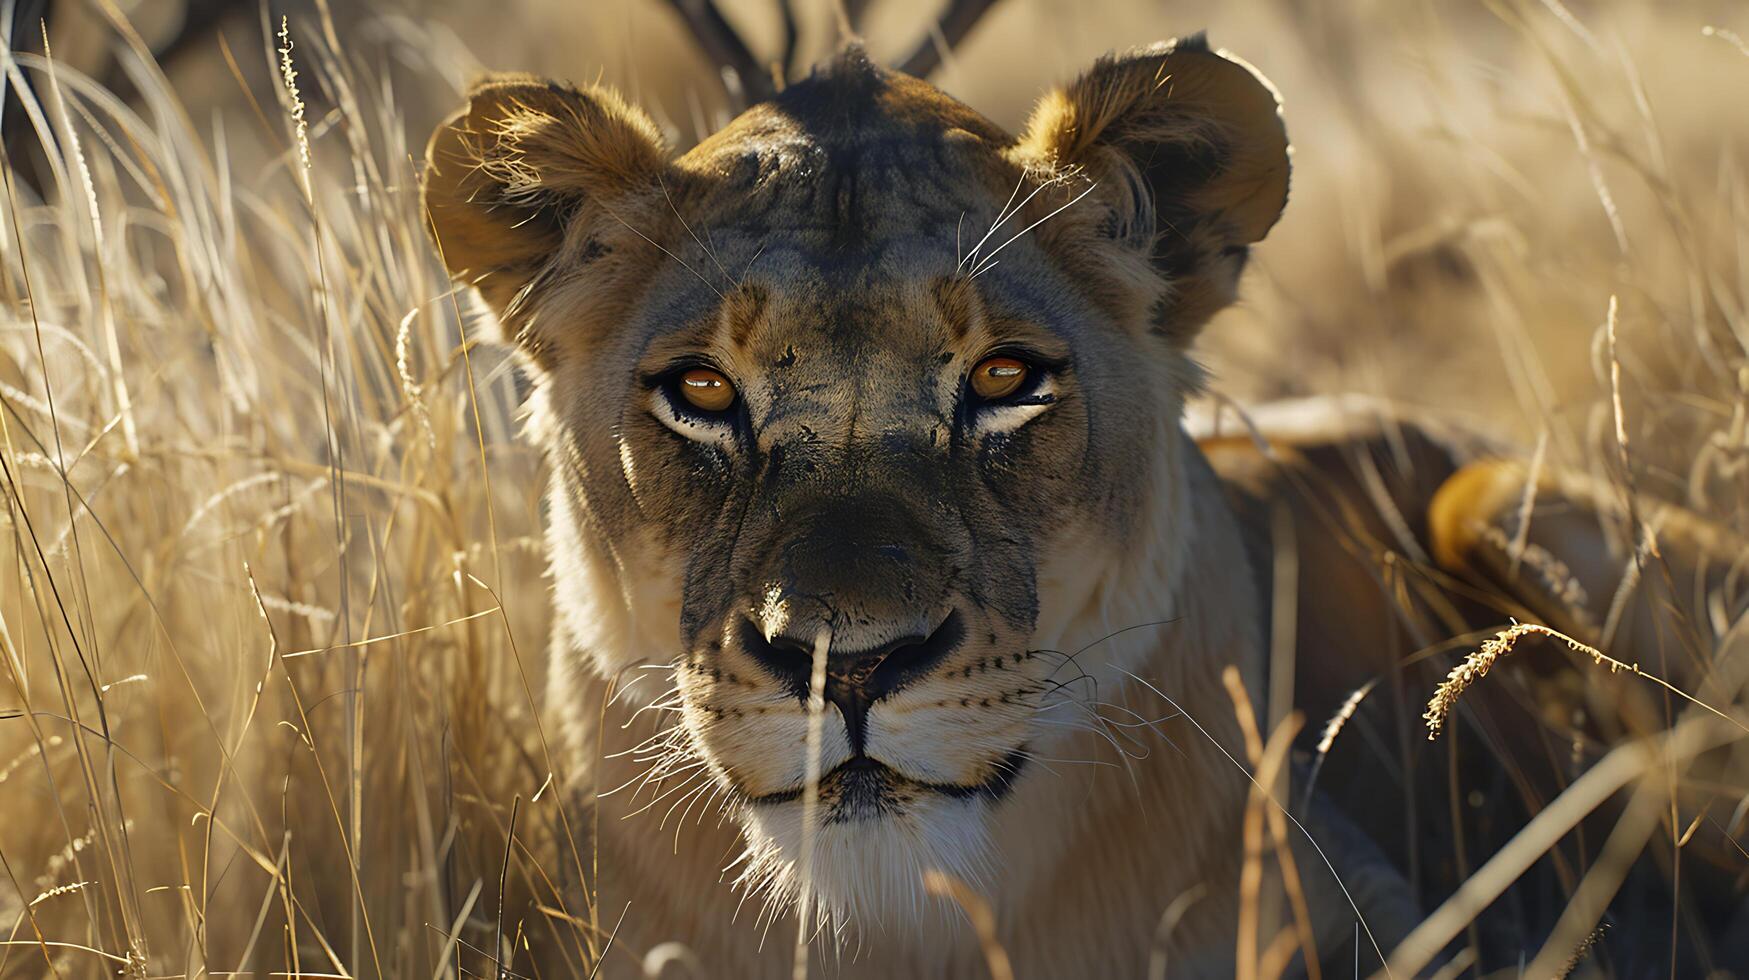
[866,874]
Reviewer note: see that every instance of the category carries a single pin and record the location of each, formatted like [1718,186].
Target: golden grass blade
[1620,767]
[977,909]
[806,919]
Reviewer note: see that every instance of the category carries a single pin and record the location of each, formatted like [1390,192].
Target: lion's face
[866,491]
[860,385]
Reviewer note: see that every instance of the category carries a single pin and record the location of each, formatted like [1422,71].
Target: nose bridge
[850,432]
[863,563]
[860,382]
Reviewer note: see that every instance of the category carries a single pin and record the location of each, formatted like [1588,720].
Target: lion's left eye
[1007,390]
[996,378]
[706,390]
[698,402]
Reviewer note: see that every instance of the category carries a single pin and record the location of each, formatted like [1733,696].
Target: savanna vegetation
[272,598]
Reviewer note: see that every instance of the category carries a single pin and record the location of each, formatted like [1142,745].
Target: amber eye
[706,390]
[998,377]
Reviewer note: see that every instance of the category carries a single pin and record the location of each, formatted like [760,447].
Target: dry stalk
[983,919]
[1267,760]
[1476,666]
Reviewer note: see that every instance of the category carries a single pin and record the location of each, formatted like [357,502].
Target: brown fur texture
[1051,585]
[1191,155]
[507,174]
[1025,605]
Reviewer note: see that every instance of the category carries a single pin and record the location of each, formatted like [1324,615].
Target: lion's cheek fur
[912,734]
[1112,586]
[615,610]
[759,756]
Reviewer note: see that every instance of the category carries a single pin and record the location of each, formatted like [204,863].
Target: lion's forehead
[856,157]
[802,257]
[862,195]
[812,282]
[791,295]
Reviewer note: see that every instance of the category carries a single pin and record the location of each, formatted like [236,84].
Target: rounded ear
[509,175]
[1191,157]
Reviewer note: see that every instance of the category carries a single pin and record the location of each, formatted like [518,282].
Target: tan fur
[810,251]
[505,173]
[1206,118]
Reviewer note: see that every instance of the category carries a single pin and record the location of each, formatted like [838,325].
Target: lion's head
[864,373]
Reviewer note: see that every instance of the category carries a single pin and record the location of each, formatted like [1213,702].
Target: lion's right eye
[706,390]
[1005,390]
[998,377]
[700,403]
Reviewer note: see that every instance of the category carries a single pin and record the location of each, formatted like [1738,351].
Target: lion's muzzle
[856,679]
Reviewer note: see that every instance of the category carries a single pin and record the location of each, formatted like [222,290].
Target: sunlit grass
[272,605]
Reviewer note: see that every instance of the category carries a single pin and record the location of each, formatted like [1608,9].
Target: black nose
[855,680]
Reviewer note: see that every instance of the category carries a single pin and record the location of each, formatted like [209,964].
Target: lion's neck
[1155,816]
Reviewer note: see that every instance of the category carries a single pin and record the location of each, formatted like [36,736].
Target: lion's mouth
[862,788]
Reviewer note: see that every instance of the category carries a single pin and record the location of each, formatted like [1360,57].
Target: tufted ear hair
[1190,156]
[509,176]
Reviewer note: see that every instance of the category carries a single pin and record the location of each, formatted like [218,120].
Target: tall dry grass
[271,601]
[272,608]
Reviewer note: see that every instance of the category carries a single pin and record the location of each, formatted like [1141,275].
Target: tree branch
[854,12]
[791,39]
[724,47]
[30,21]
[956,22]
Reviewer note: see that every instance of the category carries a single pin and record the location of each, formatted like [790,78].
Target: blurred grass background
[272,610]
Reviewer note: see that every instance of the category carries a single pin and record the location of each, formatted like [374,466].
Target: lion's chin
[864,866]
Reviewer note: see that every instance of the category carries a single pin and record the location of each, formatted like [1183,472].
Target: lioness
[864,377]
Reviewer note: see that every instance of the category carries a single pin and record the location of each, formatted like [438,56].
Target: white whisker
[987,263]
